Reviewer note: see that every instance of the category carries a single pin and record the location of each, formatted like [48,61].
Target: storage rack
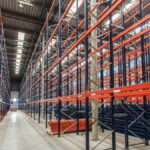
[60,71]
[4,75]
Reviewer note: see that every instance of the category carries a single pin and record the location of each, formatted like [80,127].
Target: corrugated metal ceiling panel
[13,6]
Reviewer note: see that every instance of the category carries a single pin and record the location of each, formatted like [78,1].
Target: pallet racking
[4,75]
[60,72]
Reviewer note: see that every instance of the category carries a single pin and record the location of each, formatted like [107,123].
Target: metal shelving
[60,72]
[4,75]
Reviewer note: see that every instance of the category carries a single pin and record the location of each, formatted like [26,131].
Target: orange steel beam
[82,22]
[100,14]
[86,34]
[42,31]
[131,91]
[72,32]
[119,45]
[55,30]
[128,19]
[116,4]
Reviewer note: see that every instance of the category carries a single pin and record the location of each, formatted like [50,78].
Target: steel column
[59,69]
[86,74]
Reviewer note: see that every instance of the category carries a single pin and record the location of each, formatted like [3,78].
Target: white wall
[14,96]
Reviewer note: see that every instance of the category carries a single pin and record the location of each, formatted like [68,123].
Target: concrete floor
[19,132]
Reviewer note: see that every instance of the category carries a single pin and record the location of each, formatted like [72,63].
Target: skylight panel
[20,51]
[18,60]
[19,56]
[20,43]
[21,35]
[18,63]
[129,5]
[139,29]
[17,70]
[74,8]
[53,41]
[17,67]
[118,15]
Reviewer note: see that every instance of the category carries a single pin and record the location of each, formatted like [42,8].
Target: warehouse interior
[75,74]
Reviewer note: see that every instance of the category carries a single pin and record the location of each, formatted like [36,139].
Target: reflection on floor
[19,132]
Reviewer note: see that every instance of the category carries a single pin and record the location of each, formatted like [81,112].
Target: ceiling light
[20,43]
[17,68]
[18,55]
[17,72]
[18,60]
[20,5]
[14,99]
[21,35]
[27,2]
[19,50]
[17,63]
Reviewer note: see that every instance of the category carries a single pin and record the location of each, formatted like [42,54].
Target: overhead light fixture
[18,56]
[18,60]
[19,51]
[17,67]
[20,44]
[25,2]
[21,37]
[17,71]
[18,64]
[20,5]
[14,99]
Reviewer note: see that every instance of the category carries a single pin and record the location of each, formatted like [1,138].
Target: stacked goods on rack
[4,75]
[67,126]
